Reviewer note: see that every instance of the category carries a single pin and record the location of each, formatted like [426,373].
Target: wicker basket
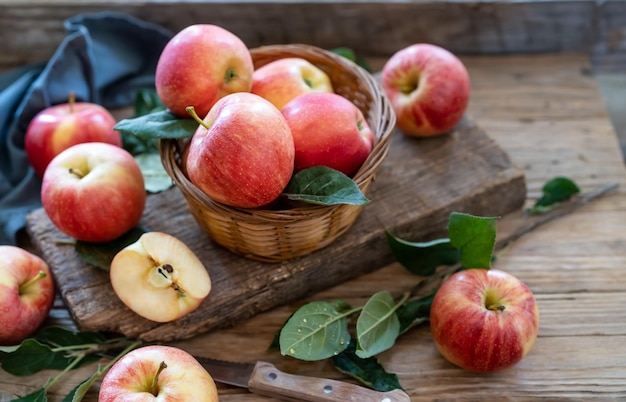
[278,235]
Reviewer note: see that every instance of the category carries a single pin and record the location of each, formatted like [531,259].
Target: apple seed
[165,271]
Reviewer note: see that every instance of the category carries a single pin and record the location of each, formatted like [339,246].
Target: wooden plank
[371,28]
[416,188]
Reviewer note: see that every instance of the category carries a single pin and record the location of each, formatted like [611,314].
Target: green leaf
[37,396]
[368,371]
[555,191]
[147,101]
[161,124]
[51,348]
[475,237]
[422,258]
[155,176]
[100,255]
[377,327]
[78,393]
[29,358]
[316,331]
[324,186]
[349,54]
[415,312]
[58,336]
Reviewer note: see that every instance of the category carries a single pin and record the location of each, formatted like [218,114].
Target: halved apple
[159,277]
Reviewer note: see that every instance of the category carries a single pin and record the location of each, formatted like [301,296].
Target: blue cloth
[105,58]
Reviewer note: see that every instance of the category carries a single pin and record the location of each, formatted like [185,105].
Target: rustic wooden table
[546,112]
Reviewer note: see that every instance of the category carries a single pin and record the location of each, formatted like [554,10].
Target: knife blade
[265,379]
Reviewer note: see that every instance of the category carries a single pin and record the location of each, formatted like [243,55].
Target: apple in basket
[484,320]
[199,65]
[157,373]
[282,80]
[58,127]
[26,294]
[329,130]
[428,88]
[159,277]
[242,152]
[93,192]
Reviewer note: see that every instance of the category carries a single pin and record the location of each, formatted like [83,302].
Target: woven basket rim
[380,117]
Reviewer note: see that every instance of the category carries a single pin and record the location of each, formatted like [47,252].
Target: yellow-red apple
[159,277]
[58,127]
[484,320]
[328,130]
[201,64]
[26,294]
[428,88]
[242,154]
[157,373]
[283,79]
[93,192]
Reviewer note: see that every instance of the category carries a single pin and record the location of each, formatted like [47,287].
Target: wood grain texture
[546,112]
[418,185]
[373,28]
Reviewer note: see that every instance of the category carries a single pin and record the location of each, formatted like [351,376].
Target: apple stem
[25,285]
[71,101]
[496,307]
[77,172]
[154,387]
[192,112]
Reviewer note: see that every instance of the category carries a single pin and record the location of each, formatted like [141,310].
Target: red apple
[484,320]
[282,80]
[328,130]
[58,127]
[242,154]
[93,192]
[26,294]
[200,65]
[157,373]
[428,88]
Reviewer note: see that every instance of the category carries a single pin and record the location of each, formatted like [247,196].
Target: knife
[265,379]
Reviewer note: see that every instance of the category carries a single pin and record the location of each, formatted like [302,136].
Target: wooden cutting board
[418,185]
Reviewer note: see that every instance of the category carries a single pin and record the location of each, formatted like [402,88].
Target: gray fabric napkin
[105,58]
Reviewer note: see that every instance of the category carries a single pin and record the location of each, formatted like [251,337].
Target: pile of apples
[258,126]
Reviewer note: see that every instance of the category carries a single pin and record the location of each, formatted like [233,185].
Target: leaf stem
[533,222]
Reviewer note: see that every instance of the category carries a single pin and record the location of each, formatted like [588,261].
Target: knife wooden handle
[267,380]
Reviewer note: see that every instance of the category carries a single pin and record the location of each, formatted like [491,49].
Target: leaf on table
[101,255]
[160,124]
[368,371]
[60,336]
[49,348]
[475,237]
[37,396]
[554,191]
[29,358]
[78,393]
[422,258]
[415,311]
[377,327]
[316,331]
[324,186]
[154,174]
